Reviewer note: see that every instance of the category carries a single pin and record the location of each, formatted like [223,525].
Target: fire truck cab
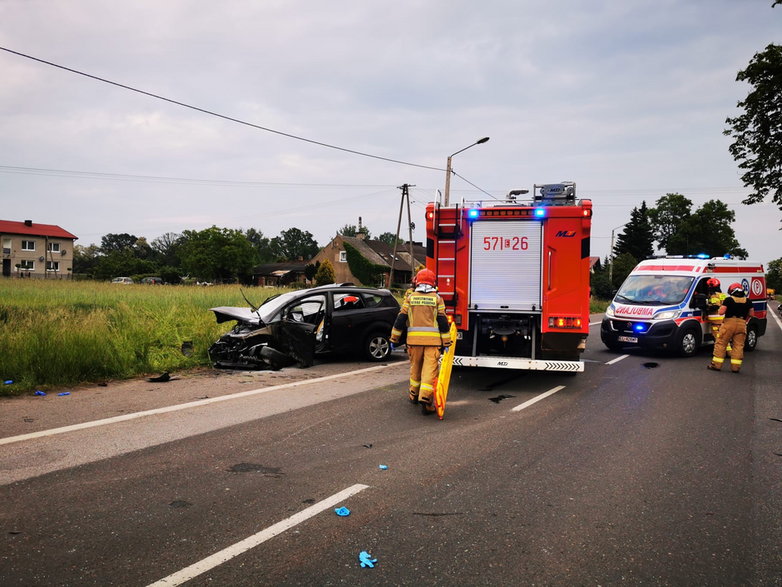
[515,277]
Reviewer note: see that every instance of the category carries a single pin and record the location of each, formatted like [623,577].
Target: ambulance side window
[699,295]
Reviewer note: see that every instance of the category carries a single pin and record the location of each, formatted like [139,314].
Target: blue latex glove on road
[343,511]
[366,560]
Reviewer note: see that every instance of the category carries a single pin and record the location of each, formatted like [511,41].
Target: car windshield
[654,289]
[272,306]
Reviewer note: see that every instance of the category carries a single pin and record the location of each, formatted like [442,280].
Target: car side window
[372,300]
[347,301]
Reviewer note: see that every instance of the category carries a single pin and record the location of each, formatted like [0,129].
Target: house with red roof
[30,249]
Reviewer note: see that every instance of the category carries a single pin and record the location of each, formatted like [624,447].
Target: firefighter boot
[427,406]
[716,364]
[412,396]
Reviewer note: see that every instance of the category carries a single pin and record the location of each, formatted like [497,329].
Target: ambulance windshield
[654,289]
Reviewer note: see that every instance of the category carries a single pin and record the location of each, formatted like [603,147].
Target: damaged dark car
[294,327]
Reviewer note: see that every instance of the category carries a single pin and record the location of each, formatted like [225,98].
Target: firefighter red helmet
[735,289]
[713,283]
[425,276]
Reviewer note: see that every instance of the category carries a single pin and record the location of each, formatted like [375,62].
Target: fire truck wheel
[689,342]
[377,347]
[752,339]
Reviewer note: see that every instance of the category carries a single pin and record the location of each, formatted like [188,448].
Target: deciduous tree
[757,133]
[217,254]
[294,244]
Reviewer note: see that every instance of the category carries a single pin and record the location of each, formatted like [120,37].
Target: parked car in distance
[152,281]
[294,327]
[122,280]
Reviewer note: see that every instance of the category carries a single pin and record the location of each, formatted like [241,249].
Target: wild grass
[598,306]
[63,333]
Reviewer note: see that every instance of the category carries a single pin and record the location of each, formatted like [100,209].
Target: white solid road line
[175,408]
[537,398]
[251,542]
[616,360]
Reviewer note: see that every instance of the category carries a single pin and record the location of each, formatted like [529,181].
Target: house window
[53,247]
[6,246]
[27,265]
[28,245]
[52,265]
[343,256]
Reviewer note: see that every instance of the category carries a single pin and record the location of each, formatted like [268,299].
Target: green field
[63,333]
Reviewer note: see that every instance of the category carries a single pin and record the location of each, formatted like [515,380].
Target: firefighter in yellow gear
[423,319]
[713,302]
[736,310]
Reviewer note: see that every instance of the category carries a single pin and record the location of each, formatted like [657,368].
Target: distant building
[375,252]
[30,249]
[279,274]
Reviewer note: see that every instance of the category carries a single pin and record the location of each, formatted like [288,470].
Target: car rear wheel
[377,347]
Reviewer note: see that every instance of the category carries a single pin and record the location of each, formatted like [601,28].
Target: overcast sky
[628,98]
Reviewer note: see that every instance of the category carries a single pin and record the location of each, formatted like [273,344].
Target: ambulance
[662,303]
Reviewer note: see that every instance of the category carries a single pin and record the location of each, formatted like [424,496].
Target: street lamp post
[611,264]
[448,169]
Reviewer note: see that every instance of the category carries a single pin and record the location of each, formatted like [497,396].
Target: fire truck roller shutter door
[505,265]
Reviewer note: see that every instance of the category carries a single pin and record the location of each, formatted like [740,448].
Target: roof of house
[381,253]
[34,229]
[279,268]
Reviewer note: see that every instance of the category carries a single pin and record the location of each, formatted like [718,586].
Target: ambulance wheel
[689,342]
[377,347]
[752,339]
[611,345]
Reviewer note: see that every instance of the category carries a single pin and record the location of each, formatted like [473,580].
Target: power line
[216,114]
[47,172]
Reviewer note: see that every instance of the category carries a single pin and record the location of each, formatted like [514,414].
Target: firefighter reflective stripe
[423,329]
[718,360]
[736,361]
[422,301]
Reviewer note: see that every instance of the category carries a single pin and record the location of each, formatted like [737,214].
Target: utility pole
[405,199]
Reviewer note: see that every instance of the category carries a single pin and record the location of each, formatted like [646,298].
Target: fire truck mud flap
[519,363]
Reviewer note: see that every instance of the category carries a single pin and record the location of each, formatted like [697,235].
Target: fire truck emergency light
[540,212]
[473,213]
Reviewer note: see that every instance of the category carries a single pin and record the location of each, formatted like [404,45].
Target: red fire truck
[515,277]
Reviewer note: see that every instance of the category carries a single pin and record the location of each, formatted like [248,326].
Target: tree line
[222,255]
[673,228]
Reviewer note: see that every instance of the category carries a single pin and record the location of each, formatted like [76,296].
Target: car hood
[228,313]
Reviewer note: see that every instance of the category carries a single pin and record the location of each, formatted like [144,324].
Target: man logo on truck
[566,233]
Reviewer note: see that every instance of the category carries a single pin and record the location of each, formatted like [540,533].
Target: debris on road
[343,511]
[366,560]
[161,378]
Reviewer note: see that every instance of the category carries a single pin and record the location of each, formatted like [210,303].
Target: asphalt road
[646,469]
